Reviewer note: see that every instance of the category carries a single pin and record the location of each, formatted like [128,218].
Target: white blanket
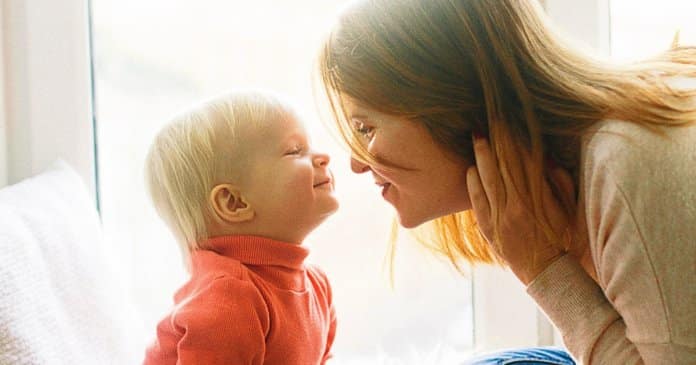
[60,302]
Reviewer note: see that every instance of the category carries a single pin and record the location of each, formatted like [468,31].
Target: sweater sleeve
[639,196]
[223,323]
[583,315]
[332,327]
[325,297]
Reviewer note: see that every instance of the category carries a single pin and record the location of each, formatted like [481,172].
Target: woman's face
[434,181]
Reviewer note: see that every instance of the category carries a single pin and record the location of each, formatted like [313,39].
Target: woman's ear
[229,205]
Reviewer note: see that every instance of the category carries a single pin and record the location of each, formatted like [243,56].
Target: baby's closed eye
[295,150]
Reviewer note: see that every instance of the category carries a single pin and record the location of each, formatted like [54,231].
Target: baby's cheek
[300,183]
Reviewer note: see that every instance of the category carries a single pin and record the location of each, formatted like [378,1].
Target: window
[154,58]
[644,28]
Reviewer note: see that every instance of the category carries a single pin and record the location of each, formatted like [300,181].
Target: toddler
[240,187]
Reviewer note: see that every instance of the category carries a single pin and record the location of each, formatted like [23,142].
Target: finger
[479,202]
[513,175]
[487,171]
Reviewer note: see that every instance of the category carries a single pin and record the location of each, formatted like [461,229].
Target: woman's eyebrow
[359,116]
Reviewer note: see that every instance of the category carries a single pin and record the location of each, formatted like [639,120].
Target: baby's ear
[229,205]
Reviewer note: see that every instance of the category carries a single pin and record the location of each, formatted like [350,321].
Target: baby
[240,187]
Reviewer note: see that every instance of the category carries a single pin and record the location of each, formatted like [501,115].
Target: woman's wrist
[528,273]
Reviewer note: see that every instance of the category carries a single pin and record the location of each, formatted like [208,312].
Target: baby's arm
[332,335]
[224,323]
[325,287]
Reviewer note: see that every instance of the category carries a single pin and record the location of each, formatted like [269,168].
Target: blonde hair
[198,150]
[494,67]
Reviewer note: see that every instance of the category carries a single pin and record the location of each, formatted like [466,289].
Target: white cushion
[60,301]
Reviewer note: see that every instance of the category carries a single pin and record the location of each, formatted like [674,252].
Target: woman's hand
[522,243]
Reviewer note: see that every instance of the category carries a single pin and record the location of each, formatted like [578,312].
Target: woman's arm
[642,239]
[640,190]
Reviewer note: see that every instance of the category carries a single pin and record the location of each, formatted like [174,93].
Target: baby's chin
[333,209]
[327,213]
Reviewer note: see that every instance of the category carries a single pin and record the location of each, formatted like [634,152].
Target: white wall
[585,21]
[47,88]
[3,122]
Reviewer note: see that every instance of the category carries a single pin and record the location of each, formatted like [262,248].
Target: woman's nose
[357,166]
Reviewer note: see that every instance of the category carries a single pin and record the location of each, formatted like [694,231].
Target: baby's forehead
[267,135]
[277,129]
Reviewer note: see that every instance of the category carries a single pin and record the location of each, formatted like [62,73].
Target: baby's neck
[289,237]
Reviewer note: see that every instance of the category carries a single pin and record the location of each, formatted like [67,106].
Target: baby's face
[288,184]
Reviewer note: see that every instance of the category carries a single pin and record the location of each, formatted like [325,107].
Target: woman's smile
[385,188]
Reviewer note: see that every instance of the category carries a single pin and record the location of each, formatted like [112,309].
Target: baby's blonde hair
[198,150]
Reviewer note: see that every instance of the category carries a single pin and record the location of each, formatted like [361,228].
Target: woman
[579,175]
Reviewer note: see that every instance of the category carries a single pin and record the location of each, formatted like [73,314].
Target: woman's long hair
[497,68]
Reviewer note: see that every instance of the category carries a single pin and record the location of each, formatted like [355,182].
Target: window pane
[154,58]
[644,28]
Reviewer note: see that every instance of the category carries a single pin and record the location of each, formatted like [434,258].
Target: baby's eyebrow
[297,138]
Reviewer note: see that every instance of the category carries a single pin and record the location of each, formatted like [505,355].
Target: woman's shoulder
[634,169]
[633,172]
[624,147]
[625,143]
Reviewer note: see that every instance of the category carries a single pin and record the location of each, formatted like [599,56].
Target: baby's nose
[321,159]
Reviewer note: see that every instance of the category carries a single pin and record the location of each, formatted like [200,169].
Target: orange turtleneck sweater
[250,300]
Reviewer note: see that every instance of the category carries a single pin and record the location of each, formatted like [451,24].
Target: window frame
[47,109]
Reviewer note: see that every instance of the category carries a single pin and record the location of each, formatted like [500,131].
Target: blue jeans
[525,356]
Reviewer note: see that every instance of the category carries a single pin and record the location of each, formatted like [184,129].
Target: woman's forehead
[354,109]
[351,105]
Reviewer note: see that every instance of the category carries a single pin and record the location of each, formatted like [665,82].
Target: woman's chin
[410,222]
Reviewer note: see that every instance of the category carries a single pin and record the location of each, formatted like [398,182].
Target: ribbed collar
[255,250]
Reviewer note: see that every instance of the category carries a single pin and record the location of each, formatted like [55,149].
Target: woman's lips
[385,188]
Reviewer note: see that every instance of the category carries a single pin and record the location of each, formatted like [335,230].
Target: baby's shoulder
[318,277]
[213,275]
[316,271]
[209,265]
[219,284]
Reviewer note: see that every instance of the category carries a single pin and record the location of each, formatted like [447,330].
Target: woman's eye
[363,130]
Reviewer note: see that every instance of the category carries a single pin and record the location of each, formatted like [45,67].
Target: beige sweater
[639,191]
